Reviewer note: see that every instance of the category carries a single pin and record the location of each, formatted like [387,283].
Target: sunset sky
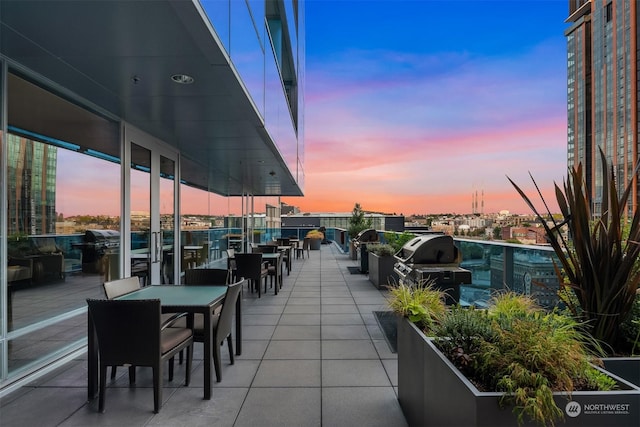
[414,106]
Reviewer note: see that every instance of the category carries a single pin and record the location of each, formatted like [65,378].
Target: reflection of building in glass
[31,186]
[532,274]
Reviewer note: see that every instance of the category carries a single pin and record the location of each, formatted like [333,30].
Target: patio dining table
[174,299]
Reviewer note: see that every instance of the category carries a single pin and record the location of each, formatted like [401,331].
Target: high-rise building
[602,91]
[31,184]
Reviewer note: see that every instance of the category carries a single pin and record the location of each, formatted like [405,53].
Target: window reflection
[63,186]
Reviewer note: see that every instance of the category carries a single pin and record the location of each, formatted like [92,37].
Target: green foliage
[381,249]
[422,305]
[517,348]
[460,334]
[630,329]
[599,263]
[358,222]
[398,240]
[315,234]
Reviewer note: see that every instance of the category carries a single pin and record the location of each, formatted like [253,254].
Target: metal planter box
[381,271]
[627,368]
[432,392]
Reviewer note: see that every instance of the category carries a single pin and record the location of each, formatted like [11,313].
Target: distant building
[602,91]
[31,187]
[380,222]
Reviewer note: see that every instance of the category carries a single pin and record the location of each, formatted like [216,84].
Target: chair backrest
[266,249]
[206,276]
[306,243]
[283,241]
[115,288]
[127,331]
[249,266]
[226,314]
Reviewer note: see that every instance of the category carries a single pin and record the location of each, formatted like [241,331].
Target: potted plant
[597,264]
[357,223]
[398,240]
[511,364]
[381,261]
[316,237]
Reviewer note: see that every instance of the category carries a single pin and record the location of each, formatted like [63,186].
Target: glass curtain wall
[62,221]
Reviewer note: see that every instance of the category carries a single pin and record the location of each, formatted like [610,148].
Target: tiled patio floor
[313,355]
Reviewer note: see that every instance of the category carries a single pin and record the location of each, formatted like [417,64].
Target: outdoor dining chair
[250,267]
[274,271]
[222,323]
[206,276]
[306,244]
[132,333]
[114,289]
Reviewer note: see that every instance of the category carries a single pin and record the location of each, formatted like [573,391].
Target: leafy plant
[381,249]
[397,241]
[598,263]
[630,329]
[422,305]
[315,234]
[517,348]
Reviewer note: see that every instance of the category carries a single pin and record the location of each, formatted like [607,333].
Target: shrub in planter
[513,351]
[380,264]
[316,237]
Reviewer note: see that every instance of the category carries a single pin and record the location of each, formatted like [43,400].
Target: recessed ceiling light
[183,79]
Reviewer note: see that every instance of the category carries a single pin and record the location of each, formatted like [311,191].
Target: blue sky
[413,106]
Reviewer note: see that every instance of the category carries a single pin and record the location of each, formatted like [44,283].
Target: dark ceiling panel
[119,56]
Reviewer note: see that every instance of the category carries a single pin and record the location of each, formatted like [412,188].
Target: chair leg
[103,380]
[157,387]
[216,360]
[230,344]
[113,372]
[187,375]
[132,375]
[171,369]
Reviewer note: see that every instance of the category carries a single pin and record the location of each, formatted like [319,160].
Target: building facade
[119,119]
[602,91]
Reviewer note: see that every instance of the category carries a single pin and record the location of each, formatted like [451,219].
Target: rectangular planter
[627,368]
[381,271]
[432,392]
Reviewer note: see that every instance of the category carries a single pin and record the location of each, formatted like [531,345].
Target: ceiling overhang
[119,56]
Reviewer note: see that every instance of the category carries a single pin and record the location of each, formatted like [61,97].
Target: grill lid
[102,237]
[429,249]
[368,235]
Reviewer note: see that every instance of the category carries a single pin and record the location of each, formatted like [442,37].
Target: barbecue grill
[432,257]
[97,244]
[360,244]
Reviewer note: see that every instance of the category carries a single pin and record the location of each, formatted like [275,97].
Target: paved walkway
[313,355]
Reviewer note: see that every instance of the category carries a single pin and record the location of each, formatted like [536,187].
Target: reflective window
[247,54]
[63,178]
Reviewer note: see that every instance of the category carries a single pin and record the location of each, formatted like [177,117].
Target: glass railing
[494,266]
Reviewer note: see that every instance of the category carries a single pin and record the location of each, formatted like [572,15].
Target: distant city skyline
[412,106]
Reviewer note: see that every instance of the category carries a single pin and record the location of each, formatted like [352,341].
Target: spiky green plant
[598,263]
[422,305]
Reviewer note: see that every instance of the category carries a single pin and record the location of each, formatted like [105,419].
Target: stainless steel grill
[435,258]
[365,236]
[360,244]
[97,244]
